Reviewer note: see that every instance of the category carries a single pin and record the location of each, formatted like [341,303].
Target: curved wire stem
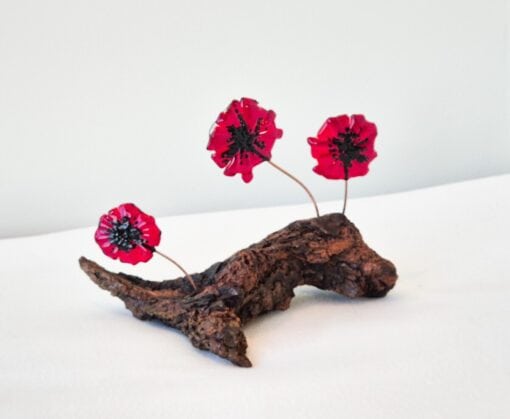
[346,191]
[188,276]
[295,179]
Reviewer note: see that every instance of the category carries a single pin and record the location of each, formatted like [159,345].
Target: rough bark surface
[327,252]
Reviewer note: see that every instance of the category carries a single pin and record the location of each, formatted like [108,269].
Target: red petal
[218,142]
[152,236]
[136,255]
[220,161]
[358,169]
[218,139]
[319,149]
[330,171]
[366,130]
[339,123]
[327,132]
[251,112]
[247,176]
[229,115]
[129,210]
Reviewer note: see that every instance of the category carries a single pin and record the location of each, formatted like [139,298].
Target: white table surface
[437,346]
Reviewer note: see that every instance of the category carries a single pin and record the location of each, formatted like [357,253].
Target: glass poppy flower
[344,147]
[242,137]
[128,234]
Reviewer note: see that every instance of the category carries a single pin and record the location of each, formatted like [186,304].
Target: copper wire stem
[188,276]
[295,179]
[345,195]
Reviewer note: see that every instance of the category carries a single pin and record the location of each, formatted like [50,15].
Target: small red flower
[344,147]
[128,234]
[242,137]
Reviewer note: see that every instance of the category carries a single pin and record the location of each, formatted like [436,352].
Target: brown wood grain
[327,252]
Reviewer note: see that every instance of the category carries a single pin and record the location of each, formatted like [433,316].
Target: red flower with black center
[242,137]
[344,147]
[128,234]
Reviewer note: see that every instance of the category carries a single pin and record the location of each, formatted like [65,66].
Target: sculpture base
[327,252]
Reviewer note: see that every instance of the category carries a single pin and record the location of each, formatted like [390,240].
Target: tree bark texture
[327,252]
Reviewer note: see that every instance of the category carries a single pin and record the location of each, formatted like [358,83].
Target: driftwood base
[327,252]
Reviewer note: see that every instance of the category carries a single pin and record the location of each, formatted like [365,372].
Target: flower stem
[346,189]
[188,276]
[295,179]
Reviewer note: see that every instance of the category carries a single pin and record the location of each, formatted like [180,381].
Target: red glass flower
[344,147]
[242,137]
[128,234]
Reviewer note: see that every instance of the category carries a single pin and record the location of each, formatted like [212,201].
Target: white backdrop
[109,101]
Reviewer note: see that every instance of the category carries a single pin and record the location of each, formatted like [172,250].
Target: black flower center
[243,141]
[124,235]
[346,149]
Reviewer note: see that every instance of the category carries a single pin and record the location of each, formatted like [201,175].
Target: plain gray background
[103,102]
